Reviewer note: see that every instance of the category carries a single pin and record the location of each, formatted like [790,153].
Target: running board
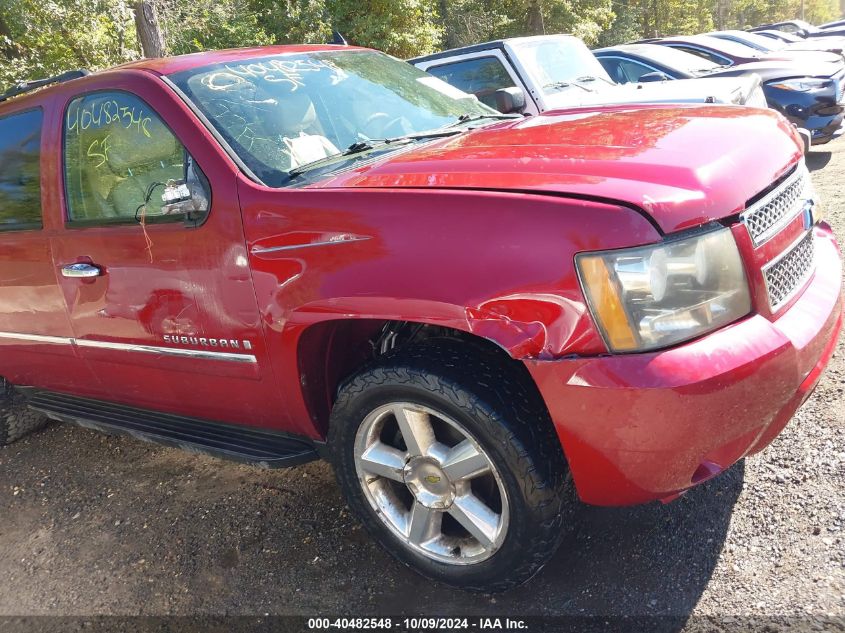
[259,447]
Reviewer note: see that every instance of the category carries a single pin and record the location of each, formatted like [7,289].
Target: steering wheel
[380,125]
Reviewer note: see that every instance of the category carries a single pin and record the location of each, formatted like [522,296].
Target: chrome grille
[787,274]
[772,212]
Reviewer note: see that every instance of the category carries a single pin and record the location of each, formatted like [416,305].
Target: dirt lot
[91,524]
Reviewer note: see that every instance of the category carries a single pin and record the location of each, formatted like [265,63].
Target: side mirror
[509,100]
[655,76]
[189,197]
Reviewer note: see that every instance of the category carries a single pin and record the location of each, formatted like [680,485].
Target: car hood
[724,90]
[682,165]
[771,70]
[833,45]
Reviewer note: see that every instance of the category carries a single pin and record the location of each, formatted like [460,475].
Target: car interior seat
[141,161]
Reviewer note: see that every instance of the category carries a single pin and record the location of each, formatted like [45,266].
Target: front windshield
[281,111]
[675,59]
[556,60]
[806,26]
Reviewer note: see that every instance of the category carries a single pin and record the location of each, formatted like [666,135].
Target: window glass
[557,59]
[20,172]
[482,77]
[711,57]
[635,70]
[628,70]
[280,112]
[759,42]
[675,59]
[122,163]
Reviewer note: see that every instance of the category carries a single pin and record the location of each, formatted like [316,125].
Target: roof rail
[26,86]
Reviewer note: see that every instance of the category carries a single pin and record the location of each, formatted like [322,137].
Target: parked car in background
[801,28]
[550,72]
[726,52]
[829,51]
[836,24]
[473,316]
[809,95]
[833,44]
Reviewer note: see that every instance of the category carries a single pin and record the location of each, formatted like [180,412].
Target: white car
[550,72]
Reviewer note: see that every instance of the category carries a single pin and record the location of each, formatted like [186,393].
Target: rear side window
[121,159]
[709,56]
[482,77]
[20,171]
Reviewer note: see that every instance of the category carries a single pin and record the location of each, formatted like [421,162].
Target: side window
[634,70]
[20,171]
[623,71]
[123,164]
[482,77]
[712,57]
[611,65]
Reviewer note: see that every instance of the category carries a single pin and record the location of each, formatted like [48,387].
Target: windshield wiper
[469,118]
[357,148]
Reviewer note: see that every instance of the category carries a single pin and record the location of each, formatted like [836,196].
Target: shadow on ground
[107,525]
[645,560]
[817,159]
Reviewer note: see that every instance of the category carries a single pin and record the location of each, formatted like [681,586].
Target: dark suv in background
[809,94]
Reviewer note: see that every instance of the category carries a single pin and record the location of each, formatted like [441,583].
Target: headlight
[654,296]
[802,85]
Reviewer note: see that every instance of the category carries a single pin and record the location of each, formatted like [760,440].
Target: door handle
[81,270]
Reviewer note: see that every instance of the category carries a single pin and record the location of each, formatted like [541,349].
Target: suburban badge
[200,341]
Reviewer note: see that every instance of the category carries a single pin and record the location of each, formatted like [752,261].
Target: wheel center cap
[428,483]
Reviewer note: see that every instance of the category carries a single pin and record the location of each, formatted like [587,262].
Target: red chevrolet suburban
[279,254]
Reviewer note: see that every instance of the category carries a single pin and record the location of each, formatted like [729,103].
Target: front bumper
[641,427]
[819,112]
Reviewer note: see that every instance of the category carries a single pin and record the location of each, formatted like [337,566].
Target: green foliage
[48,37]
[293,21]
[403,28]
[201,25]
[45,37]
[586,19]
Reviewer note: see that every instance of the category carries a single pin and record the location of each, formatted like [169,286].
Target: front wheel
[16,419]
[449,458]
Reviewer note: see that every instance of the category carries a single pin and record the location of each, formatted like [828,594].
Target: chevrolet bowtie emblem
[433,479]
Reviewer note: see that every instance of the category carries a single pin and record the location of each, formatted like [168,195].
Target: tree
[201,25]
[149,32]
[535,18]
[403,28]
[47,37]
[39,38]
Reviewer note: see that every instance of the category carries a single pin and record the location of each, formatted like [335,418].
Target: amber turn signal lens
[606,303]
[650,297]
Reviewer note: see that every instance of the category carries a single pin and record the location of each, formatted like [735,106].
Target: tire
[463,392]
[16,419]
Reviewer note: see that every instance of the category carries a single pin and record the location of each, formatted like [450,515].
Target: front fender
[498,265]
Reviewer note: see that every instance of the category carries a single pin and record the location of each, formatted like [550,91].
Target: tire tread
[487,386]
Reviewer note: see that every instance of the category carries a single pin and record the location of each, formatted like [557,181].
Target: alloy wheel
[431,483]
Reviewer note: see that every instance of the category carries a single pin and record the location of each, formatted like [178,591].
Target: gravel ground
[91,524]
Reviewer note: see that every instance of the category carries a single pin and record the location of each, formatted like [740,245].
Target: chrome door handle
[81,270]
